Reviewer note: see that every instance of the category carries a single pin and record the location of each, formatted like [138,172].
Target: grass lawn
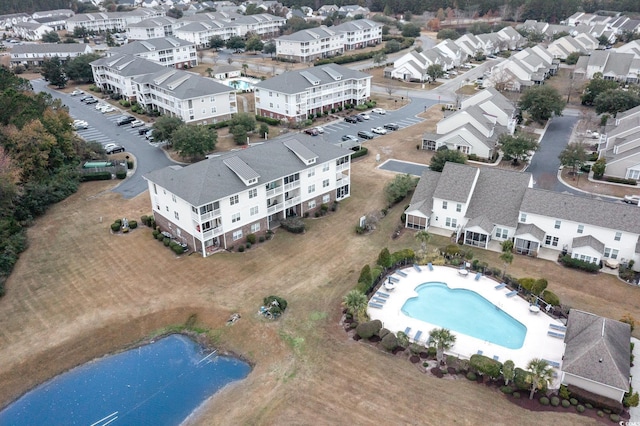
[79,292]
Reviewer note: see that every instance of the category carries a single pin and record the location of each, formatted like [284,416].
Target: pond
[160,383]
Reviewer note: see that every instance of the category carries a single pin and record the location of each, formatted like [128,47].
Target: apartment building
[310,44]
[112,21]
[153,28]
[360,33]
[35,54]
[167,51]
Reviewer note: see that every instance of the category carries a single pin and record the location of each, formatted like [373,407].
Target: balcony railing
[274,191]
[275,208]
[292,201]
[291,185]
[212,233]
[343,166]
[205,216]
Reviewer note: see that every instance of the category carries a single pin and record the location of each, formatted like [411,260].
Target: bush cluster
[555,401]
[121,174]
[368,329]
[279,307]
[294,225]
[570,262]
[544,400]
[148,221]
[268,120]
[95,176]
[632,182]
[486,365]
[360,152]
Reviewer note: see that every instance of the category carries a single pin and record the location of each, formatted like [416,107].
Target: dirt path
[79,292]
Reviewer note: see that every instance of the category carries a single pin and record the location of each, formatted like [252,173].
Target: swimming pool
[241,84]
[466,312]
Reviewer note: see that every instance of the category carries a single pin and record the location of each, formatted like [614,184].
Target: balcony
[275,191]
[292,185]
[343,166]
[212,233]
[292,201]
[275,208]
[205,216]
[342,180]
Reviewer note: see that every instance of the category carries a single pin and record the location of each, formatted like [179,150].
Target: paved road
[102,128]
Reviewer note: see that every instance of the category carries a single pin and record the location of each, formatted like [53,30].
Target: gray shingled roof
[498,195]
[482,222]
[150,45]
[531,229]
[309,34]
[581,209]
[597,349]
[422,199]
[588,241]
[456,182]
[49,48]
[211,179]
[293,82]
[131,65]
[153,22]
[184,85]
[357,25]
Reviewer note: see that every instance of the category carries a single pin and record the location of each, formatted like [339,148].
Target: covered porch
[528,239]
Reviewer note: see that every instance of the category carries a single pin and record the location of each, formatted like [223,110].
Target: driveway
[102,128]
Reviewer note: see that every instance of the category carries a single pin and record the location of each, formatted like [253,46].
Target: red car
[312,132]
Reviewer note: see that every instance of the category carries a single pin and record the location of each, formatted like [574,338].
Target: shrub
[506,390]
[520,379]
[383,332]
[485,365]
[516,395]
[389,342]
[600,413]
[621,180]
[121,174]
[295,225]
[144,219]
[555,401]
[570,262]
[177,248]
[133,224]
[360,153]
[368,329]
[95,176]
[130,164]
[544,400]
[115,226]
[614,418]
[241,248]
[566,403]
[261,239]
[564,392]
[166,241]
[276,308]
[155,233]
[573,401]
[551,298]
[251,238]
[472,376]
[248,246]
[588,405]
[580,408]
[268,120]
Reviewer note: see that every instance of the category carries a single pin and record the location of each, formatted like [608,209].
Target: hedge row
[268,120]
[620,180]
[96,176]
[360,153]
[570,262]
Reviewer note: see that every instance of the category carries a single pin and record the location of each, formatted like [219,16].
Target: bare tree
[391,88]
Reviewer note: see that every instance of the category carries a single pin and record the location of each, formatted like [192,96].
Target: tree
[573,57]
[264,130]
[507,255]
[410,30]
[216,43]
[423,236]
[540,375]
[480,28]
[447,33]
[379,58]
[193,141]
[574,156]
[242,124]
[599,168]
[356,303]
[542,102]
[174,13]
[50,37]
[239,134]
[595,87]
[245,67]
[236,42]
[517,147]
[392,46]
[603,40]
[164,127]
[444,155]
[434,25]
[269,48]
[53,72]
[443,340]
[79,68]
[80,32]
[384,258]
[435,71]
[254,44]
[396,190]
[508,371]
[109,39]
[615,101]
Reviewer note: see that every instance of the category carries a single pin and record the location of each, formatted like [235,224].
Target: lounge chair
[556,335]
[375,305]
[558,327]
[417,268]
[402,274]
[381,294]
[478,276]
[500,286]
[512,293]
[496,357]
[378,300]
[554,364]
[479,352]
[430,266]
[416,338]
[394,280]
[407,330]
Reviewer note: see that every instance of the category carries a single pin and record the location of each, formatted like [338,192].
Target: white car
[319,129]
[632,199]
[107,109]
[137,123]
[365,116]
[379,111]
[100,106]
[76,92]
[80,124]
[379,130]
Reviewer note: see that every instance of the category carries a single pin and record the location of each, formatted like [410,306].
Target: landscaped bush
[177,248]
[570,262]
[516,395]
[95,176]
[133,224]
[573,401]
[251,238]
[268,120]
[166,241]
[485,365]
[130,164]
[294,225]
[389,342]
[566,403]
[472,376]
[520,379]
[544,400]
[368,329]
[551,298]
[632,182]
[580,408]
[155,233]
[115,227]
[360,153]
[383,332]
[588,405]
[261,239]
[506,390]
[241,248]
[555,401]
[403,256]
[600,413]
[614,418]
[248,246]
[278,307]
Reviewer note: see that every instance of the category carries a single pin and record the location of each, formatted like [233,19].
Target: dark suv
[365,134]
[126,119]
[391,126]
[351,119]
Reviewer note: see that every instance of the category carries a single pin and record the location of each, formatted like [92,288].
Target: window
[253,211]
[325,167]
[444,205]
[253,193]
[173,197]
[255,227]
[610,253]
[155,190]
[557,224]
[580,229]
[176,215]
[235,217]
[326,198]
[325,183]
[551,241]
[311,173]
[311,204]
[312,188]
[237,235]
[502,233]
[167,207]
[458,207]
[523,217]
[234,200]
[633,174]
[451,222]
[618,236]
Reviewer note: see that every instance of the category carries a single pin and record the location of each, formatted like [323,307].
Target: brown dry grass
[79,292]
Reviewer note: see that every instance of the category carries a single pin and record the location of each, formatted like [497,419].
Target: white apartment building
[200,33]
[310,44]
[360,33]
[153,28]
[295,95]
[195,99]
[35,54]
[167,51]
[214,204]
[112,21]
[115,74]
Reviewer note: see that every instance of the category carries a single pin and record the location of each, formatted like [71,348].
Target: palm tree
[424,237]
[209,71]
[443,340]
[540,374]
[356,303]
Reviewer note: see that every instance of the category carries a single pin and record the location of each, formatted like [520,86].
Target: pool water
[160,384]
[240,84]
[466,312]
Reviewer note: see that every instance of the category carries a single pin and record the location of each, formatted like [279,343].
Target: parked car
[76,92]
[86,98]
[100,106]
[125,119]
[351,119]
[114,148]
[379,111]
[366,135]
[632,199]
[80,124]
[312,132]
[364,115]
[358,117]
[137,123]
[149,135]
[349,138]
[319,129]
[379,130]
[143,130]
[108,109]
[391,126]
[91,101]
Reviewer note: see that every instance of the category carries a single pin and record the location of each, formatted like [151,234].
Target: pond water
[160,383]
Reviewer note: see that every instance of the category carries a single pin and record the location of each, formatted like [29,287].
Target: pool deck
[537,342]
